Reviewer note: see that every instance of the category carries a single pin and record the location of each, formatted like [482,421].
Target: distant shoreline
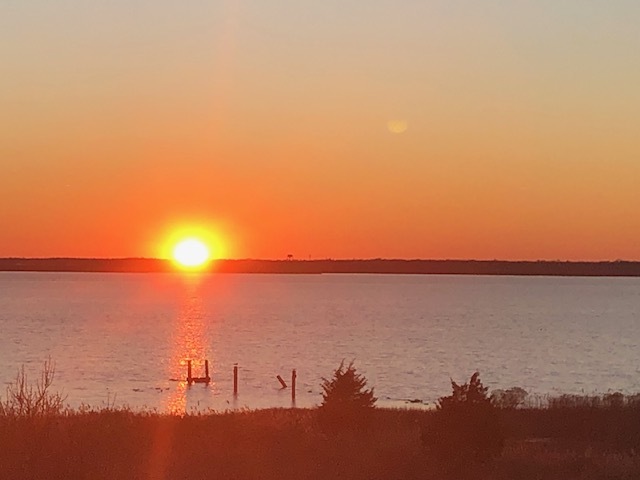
[370,266]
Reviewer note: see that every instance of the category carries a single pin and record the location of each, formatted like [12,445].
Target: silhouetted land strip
[379,266]
[542,444]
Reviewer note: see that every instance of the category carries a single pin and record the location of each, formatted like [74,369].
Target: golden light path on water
[188,343]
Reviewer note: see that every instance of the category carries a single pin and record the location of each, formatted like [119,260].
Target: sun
[191,253]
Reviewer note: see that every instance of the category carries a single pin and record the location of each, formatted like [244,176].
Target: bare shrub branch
[25,399]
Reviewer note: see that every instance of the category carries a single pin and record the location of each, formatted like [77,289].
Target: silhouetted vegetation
[581,438]
[345,399]
[290,265]
[611,421]
[32,399]
[464,431]
[346,390]
[511,398]
[282,444]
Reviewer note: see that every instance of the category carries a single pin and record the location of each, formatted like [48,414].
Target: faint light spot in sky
[397,126]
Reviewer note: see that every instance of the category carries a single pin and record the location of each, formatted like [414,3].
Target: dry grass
[253,445]
[579,439]
[273,444]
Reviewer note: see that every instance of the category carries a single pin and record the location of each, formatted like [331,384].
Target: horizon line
[329,259]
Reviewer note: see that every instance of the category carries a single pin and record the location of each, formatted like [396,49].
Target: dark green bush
[465,430]
[345,399]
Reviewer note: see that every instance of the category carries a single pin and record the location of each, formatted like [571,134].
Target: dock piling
[294,375]
[235,380]
[191,379]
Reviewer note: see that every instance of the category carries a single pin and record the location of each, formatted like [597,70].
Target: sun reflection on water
[189,342]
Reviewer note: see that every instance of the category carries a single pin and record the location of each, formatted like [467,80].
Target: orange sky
[268,125]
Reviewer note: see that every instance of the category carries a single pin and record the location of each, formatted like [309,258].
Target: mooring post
[284,385]
[235,379]
[189,377]
[206,370]
[294,375]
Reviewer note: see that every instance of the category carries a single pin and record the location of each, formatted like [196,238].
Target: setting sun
[192,244]
[191,253]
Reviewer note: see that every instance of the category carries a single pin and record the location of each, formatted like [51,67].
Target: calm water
[127,337]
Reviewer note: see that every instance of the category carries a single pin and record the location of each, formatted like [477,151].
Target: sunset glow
[191,245]
[436,130]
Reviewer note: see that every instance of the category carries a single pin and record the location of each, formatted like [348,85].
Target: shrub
[345,398]
[566,401]
[464,430]
[614,400]
[511,398]
[346,389]
[25,399]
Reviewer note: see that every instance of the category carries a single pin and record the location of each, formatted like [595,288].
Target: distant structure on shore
[292,266]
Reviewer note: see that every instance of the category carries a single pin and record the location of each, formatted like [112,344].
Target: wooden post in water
[235,380]
[284,385]
[294,375]
[191,379]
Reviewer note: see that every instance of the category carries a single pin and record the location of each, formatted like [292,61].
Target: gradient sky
[271,124]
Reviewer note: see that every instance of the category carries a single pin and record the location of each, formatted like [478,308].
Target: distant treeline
[380,266]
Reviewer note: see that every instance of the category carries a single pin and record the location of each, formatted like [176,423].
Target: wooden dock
[191,379]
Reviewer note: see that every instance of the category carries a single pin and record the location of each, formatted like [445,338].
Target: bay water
[125,339]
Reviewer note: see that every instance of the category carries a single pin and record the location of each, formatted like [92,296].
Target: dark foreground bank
[559,443]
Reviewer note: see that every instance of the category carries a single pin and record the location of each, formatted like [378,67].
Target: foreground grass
[574,443]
